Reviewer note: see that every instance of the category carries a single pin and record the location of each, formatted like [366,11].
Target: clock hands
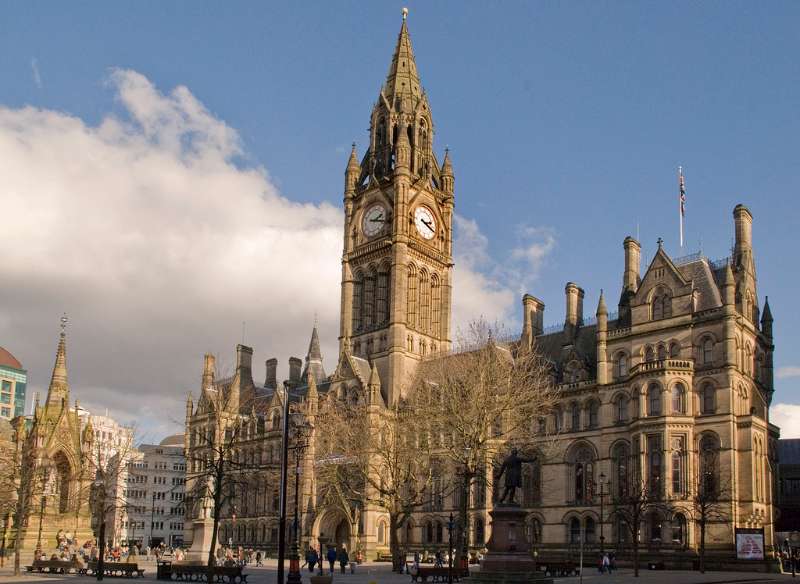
[427,224]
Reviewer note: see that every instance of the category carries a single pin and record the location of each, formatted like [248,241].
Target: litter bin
[163,570]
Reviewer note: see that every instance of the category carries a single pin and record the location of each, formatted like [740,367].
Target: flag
[682,187]
[681,201]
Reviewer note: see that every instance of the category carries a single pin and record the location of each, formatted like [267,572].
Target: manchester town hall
[678,378]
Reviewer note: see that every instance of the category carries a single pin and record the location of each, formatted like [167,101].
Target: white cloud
[158,238]
[154,238]
[488,288]
[787,372]
[787,418]
[37,77]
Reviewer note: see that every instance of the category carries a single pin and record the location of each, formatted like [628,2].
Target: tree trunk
[394,545]
[636,550]
[702,546]
[101,558]
[464,536]
[217,508]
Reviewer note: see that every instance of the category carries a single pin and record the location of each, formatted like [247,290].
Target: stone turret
[448,179]
[374,387]
[351,174]
[602,336]
[766,319]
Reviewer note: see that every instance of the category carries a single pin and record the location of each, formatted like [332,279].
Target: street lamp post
[602,496]
[300,435]
[284,462]
[450,526]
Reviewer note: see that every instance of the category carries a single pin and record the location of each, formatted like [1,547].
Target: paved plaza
[380,573]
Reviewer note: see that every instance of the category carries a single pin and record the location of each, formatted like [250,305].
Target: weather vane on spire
[64,321]
[405,12]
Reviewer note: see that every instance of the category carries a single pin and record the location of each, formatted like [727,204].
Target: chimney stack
[271,381]
[295,366]
[574,296]
[630,279]
[533,316]
[209,364]
[244,364]
[743,221]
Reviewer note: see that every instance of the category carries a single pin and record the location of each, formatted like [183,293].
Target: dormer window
[661,304]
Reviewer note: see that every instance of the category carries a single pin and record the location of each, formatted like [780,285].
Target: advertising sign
[749,543]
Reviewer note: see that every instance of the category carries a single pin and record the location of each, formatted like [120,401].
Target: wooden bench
[54,566]
[115,569]
[384,557]
[559,568]
[423,573]
[194,572]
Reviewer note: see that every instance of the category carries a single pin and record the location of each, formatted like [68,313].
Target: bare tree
[372,454]
[218,470]
[109,471]
[478,400]
[710,501]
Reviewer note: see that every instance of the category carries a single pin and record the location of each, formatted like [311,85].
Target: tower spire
[59,387]
[403,78]
[313,364]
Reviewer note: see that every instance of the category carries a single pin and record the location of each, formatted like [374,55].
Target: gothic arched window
[582,463]
[589,530]
[436,306]
[424,301]
[708,351]
[532,484]
[358,293]
[678,399]
[574,530]
[411,291]
[593,411]
[368,301]
[621,366]
[621,408]
[709,398]
[576,416]
[480,532]
[649,354]
[709,465]
[674,350]
[620,458]
[382,297]
[653,400]
[678,528]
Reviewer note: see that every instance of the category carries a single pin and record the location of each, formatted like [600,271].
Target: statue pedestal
[202,530]
[508,560]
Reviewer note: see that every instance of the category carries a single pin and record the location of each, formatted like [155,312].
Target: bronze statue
[512,467]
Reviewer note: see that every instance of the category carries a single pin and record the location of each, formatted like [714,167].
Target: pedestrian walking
[331,558]
[343,558]
[311,559]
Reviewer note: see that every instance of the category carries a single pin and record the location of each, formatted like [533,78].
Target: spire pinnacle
[402,79]
[59,387]
[313,364]
[601,305]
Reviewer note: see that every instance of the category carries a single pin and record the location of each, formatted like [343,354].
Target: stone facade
[57,447]
[682,371]
[152,512]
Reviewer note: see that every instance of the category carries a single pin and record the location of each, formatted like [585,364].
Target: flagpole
[680,203]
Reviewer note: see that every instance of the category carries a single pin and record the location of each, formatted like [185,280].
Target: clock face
[374,220]
[425,223]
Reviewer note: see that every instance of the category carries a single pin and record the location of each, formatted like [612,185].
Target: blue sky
[565,120]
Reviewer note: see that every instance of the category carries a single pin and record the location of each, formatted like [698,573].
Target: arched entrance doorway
[334,529]
[63,478]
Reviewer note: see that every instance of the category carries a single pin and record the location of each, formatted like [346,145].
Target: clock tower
[397,260]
